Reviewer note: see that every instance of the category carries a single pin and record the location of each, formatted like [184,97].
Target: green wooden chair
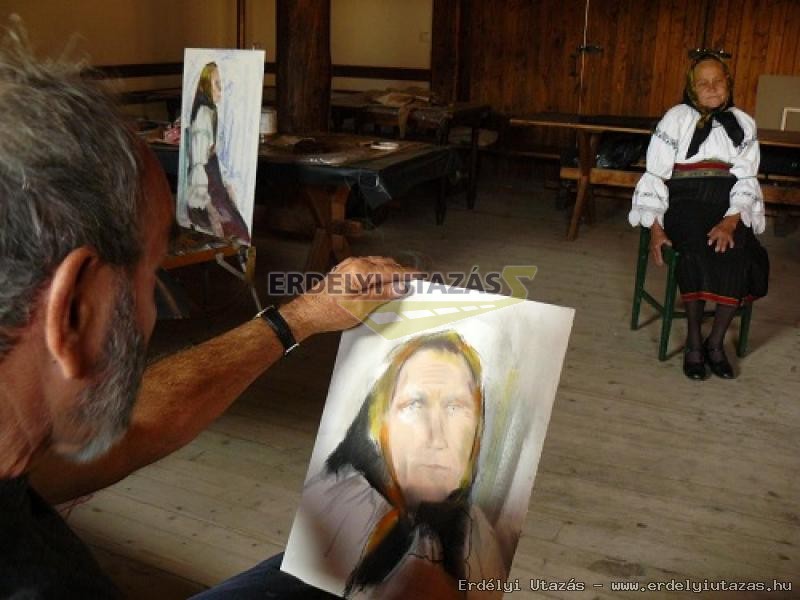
[667,309]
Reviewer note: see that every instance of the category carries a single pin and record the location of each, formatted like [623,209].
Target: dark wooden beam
[304,65]
[136,70]
[176,68]
[393,73]
[465,51]
[241,23]
[445,49]
[356,71]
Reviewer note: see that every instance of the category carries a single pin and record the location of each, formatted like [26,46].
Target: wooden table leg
[319,255]
[587,145]
[473,165]
[337,118]
[339,243]
[328,208]
[441,201]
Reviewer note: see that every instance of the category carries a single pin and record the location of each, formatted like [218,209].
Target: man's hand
[353,289]
[721,235]
[658,239]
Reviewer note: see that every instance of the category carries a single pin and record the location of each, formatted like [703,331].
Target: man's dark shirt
[40,557]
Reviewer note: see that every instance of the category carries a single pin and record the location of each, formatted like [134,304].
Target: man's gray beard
[107,404]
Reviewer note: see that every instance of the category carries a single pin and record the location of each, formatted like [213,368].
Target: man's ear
[77,311]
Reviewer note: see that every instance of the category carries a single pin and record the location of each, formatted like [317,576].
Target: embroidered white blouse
[202,143]
[669,145]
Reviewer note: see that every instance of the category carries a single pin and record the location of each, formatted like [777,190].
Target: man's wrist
[295,318]
[273,318]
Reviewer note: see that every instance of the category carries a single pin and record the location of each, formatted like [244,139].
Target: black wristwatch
[280,327]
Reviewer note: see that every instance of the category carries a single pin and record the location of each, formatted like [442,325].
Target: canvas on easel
[220,114]
[428,446]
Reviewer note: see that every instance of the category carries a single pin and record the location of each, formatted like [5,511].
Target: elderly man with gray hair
[85,215]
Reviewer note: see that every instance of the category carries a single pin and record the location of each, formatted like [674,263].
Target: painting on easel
[220,115]
[423,467]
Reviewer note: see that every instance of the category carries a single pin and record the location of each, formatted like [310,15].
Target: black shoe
[720,367]
[694,369]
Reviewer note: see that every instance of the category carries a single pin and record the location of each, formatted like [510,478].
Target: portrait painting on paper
[428,446]
[220,114]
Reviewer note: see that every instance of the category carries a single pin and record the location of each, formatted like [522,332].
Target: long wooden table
[326,179]
[589,130]
[439,118]
[359,106]
[377,176]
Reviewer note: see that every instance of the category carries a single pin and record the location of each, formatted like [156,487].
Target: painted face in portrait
[431,425]
[710,84]
[216,87]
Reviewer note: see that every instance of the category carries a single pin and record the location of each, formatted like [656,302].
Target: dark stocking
[722,319]
[694,336]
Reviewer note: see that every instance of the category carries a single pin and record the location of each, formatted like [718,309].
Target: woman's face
[710,84]
[432,423]
[216,87]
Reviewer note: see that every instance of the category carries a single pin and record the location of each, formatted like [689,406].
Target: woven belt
[705,168]
[701,173]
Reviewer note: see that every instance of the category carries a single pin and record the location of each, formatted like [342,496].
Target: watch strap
[278,324]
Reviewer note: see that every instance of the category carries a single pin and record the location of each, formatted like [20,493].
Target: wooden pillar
[241,23]
[304,65]
[445,50]
[465,51]
[451,49]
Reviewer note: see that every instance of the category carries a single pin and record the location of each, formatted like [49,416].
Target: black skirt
[738,275]
[233,225]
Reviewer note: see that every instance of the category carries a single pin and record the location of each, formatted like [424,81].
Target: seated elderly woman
[701,196]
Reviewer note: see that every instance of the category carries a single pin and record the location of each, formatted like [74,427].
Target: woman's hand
[721,235]
[657,239]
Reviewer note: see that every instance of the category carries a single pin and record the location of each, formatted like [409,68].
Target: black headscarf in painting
[722,114]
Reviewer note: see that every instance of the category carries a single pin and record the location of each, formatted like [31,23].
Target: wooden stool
[667,309]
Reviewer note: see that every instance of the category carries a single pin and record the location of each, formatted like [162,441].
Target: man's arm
[183,393]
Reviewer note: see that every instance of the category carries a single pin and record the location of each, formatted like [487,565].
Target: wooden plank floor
[645,475]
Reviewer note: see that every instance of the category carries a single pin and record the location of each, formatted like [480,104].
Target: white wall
[392,33]
[383,33]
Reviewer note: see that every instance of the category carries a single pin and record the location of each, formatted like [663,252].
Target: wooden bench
[777,189]
[514,142]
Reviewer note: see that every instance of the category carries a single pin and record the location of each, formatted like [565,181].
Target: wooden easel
[194,248]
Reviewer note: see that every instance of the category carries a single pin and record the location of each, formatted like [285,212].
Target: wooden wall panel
[763,37]
[521,51]
[522,57]
[526,59]
[641,68]
[521,54]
